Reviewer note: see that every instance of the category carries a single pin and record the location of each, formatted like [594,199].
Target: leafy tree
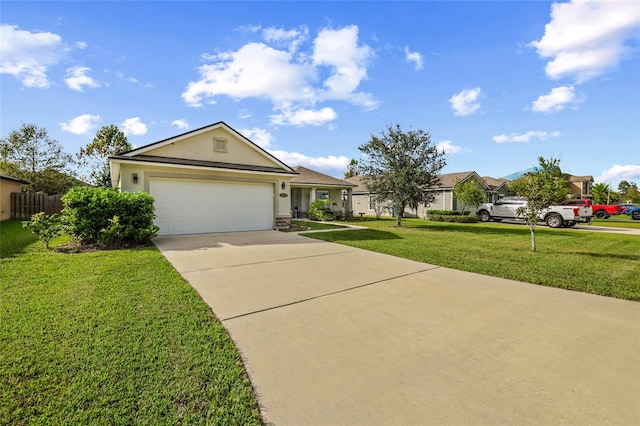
[400,166]
[352,169]
[629,192]
[601,193]
[30,154]
[543,188]
[469,194]
[109,140]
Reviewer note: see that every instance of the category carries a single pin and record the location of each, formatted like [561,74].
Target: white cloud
[317,163]
[81,45]
[304,117]
[556,100]
[291,81]
[28,55]
[616,173]
[465,102]
[586,38]
[260,137]
[81,125]
[525,137]
[180,124]
[77,78]
[448,147]
[414,57]
[133,126]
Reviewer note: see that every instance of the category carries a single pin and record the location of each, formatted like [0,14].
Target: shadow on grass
[14,239]
[632,257]
[355,235]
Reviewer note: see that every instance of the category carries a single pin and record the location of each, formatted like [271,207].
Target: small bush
[108,217]
[453,218]
[47,227]
[319,210]
[447,213]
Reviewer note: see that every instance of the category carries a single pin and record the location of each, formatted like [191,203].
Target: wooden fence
[26,204]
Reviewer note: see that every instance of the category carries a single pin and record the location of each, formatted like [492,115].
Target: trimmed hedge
[448,213]
[453,218]
[108,217]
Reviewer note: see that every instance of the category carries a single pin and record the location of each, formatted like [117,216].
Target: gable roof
[449,180]
[308,177]
[494,183]
[172,140]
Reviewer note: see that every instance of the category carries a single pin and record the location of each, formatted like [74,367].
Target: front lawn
[619,221]
[592,262]
[110,337]
[310,225]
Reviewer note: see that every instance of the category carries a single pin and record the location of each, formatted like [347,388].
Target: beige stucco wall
[6,188]
[282,205]
[200,147]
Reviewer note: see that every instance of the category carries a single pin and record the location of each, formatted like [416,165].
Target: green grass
[310,225]
[109,338]
[620,221]
[600,263]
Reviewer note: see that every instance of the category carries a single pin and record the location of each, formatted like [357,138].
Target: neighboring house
[211,179]
[580,186]
[498,188]
[8,184]
[310,185]
[364,202]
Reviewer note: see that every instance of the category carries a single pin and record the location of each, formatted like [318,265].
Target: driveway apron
[332,334]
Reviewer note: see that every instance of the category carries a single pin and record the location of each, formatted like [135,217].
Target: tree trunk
[399,212]
[532,227]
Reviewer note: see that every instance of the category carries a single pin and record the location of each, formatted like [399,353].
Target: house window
[372,202]
[322,195]
[219,145]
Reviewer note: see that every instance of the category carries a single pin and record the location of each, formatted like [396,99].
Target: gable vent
[220,145]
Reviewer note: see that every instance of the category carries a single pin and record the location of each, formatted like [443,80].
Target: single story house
[364,202]
[310,185]
[580,186]
[8,184]
[210,179]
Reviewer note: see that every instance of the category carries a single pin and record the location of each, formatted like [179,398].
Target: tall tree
[400,166]
[30,154]
[629,192]
[543,188]
[469,194]
[109,140]
[601,193]
[352,169]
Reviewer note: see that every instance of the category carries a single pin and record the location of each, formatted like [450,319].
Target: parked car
[554,216]
[601,211]
[626,207]
[634,212]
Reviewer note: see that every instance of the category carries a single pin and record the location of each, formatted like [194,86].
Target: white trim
[117,162]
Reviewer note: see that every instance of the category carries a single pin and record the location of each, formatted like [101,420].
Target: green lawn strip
[599,263]
[111,337]
[310,225]
[620,221]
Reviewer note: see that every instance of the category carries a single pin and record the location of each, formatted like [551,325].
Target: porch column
[312,196]
[349,206]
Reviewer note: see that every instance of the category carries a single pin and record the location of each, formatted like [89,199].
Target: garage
[192,206]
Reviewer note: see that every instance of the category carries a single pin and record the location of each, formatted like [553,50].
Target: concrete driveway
[337,335]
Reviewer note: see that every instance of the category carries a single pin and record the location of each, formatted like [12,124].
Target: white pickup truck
[553,216]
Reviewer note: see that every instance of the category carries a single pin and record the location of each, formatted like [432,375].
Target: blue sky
[496,84]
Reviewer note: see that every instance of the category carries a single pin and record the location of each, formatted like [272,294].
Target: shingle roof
[449,180]
[360,188]
[201,163]
[311,177]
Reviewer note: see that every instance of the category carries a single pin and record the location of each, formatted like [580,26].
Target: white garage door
[189,206]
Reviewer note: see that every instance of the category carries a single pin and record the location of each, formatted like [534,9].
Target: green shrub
[447,213]
[453,218]
[319,210]
[108,217]
[47,227]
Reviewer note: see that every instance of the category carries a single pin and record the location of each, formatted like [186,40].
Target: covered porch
[310,185]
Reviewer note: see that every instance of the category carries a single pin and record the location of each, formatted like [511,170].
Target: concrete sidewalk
[332,334]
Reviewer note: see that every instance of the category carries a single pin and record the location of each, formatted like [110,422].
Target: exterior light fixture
[134,177]
[283,185]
